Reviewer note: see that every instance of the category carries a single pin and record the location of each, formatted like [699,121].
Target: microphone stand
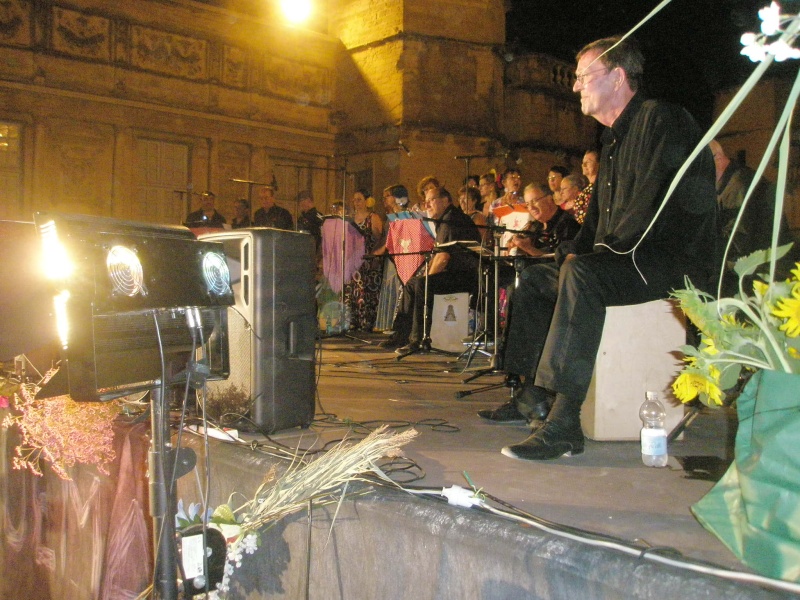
[425,344]
[494,360]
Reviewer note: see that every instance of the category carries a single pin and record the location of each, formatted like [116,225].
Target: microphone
[248,181]
[404,147]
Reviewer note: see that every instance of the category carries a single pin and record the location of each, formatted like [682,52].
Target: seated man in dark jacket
[550,225]
[448,272]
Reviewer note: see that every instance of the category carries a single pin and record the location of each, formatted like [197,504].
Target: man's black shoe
[551,440]
[393,342]
[409,348]
[507,413]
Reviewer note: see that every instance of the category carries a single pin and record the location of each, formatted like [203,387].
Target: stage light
[62,321]
[125,271]
[296,11]
[56,260]
[216,274]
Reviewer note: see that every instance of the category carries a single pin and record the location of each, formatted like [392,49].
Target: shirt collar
[623,122]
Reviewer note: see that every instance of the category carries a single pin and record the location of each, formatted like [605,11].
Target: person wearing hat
[206,215]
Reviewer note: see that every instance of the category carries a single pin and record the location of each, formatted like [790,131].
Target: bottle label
[654,441]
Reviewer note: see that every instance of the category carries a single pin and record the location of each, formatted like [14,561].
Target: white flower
[770,19]
[250,544]
[782,51]
[753,48]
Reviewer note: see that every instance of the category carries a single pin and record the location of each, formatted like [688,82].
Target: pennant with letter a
[407,241]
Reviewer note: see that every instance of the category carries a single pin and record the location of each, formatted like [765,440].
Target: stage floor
[606,490]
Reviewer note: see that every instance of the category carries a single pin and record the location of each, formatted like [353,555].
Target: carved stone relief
[234,67]
[80,165]
[295,80]
[15,22]
[79,34]
[169,53]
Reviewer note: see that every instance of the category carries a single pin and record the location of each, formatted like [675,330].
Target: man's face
[267,197]
[241,210]
[589,165]
[554,181]
[306,204]
[435,205]
[593,82]
[512,182]
[207,202]
[540,206]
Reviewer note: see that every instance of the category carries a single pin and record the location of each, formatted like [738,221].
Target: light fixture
[125,271]
[296,11]
[56,261]
[216,273]
[62,321]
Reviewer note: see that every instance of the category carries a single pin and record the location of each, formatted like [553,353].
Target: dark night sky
[691,47]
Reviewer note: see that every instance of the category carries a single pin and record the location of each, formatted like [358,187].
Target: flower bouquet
[750,331]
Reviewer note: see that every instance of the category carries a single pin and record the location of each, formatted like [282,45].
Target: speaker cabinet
[272,326]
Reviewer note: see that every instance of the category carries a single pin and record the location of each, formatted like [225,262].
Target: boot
[533,401]
[559,435]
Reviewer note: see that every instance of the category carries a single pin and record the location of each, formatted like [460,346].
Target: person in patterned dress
[362,293]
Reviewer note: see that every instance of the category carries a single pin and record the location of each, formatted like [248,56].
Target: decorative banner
[407,238]
[354,249]
[514,218]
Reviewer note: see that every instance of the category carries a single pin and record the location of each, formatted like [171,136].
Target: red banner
[408,238]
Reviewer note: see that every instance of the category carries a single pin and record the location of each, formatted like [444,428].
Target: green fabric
[755,508]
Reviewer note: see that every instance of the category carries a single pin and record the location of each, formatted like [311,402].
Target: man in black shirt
[310,218]
[625,253]
[206,215]
[449,272]
[270,214]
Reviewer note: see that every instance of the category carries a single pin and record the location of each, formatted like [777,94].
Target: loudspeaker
[272,325]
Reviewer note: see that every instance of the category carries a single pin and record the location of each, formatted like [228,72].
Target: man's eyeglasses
[582,77]
[533,201]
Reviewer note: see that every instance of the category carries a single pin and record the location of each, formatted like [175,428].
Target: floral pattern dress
[362,293]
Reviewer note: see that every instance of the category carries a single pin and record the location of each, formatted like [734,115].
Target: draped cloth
[354,248]
[406,237]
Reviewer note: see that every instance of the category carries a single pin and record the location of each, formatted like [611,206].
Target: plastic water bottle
[654,436]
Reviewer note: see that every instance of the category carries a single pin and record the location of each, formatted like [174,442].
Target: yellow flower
[760,288]
[796,272]
[709,348]
[688,385]
[789,309]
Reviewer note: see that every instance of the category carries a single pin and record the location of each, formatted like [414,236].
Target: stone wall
[87,83]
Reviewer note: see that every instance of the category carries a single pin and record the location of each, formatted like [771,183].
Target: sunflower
[789,309]
[690,383]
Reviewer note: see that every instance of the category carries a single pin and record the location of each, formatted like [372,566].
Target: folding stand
[425,344]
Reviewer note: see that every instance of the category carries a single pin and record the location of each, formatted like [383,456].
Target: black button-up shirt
[642,151]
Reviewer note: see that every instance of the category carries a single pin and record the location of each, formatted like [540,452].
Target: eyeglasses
[582,77]
[553,177]
[536,200]
[514,176]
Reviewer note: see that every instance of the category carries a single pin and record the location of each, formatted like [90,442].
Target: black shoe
[393,342]
[551,440]
[409,348]
[507,413]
